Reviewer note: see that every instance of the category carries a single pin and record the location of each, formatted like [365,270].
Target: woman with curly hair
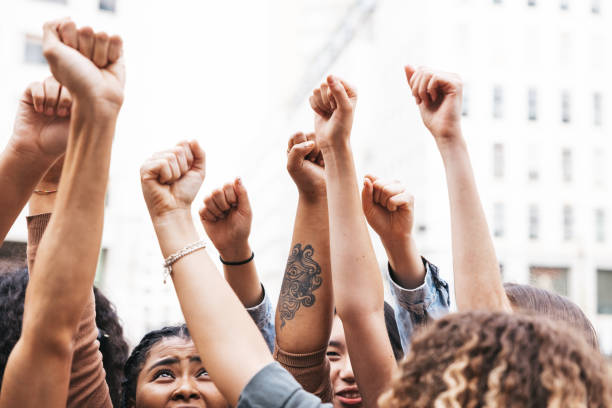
[480,359]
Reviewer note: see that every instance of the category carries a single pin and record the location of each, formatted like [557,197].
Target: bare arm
[357,282]
[38,370]
[230,346]
[478,283]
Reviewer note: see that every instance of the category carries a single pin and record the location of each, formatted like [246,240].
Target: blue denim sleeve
[263,316]
[416,307]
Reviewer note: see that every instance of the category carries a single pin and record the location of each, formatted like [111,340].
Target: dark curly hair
[113,346]
[139,356]
[12,296]
[481,359]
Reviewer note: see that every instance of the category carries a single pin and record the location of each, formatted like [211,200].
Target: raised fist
[43,119]
[172,178]
[305,165]
[388,207]
[89,64]
[439,96]
[226,217]
[334,104]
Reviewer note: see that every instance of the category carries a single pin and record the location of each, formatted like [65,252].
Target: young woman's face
[173,376]
[346,392]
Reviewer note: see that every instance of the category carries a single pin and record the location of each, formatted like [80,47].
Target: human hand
[43,120]
[439,96]
[89,64]
[171,179]
[334,105]
[306,166]
[226,217]
[389,208]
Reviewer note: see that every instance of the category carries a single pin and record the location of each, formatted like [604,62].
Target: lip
[353,400]
[349,401]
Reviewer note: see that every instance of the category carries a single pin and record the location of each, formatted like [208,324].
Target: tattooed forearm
[302,278]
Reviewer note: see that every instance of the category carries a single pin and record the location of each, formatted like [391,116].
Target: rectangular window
[531,3]
[497,1]
[566,165]
[532,104]
[108,5]
[498,161]
[33,53]
[498,220]
[565,107]
[564,4]
[551,279]
[600,225]
[596,6]
[568,223]
[597,108]
[604,291]
[534,222]
[498,102]
[533,172]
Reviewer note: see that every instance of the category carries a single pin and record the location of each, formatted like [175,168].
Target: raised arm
[38,369]
[478,283]
[357,282]
[230,346]
[305,307]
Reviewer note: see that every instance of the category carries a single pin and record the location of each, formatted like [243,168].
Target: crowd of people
[332,339]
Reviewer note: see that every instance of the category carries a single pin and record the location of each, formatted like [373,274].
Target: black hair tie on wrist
[246,261]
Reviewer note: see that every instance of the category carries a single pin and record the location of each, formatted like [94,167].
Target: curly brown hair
[481,359]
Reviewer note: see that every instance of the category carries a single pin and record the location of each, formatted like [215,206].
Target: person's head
[346,392]
[12,295]
[113,346]
[530,299]
[499,359]
[164,368]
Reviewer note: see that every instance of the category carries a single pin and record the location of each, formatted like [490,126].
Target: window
[566,165]
[532,104]
[534,222]
[33,53]
[533,172]
[108,5]
[595,6]
[604,291]
[597,107]
[497,1]
[466,101]
[564,4]
[498,161]
[498,220]
[600,225]
[568,223]
[498,102]
[565,107]
[551,279]
[531,3]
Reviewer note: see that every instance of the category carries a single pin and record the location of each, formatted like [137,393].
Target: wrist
[236,253]
[96,106]
[30,154]
[314,196]
[340,146]
[450,140]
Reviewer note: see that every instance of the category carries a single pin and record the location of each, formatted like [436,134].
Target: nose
[346,373]
[186,390]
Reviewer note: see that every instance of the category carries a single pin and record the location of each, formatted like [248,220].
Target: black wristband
[246,261]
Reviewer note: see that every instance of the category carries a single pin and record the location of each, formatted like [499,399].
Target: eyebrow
[335,344]
[171,361]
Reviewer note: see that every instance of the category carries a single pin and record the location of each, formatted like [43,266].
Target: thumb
[297,154]
[367,196]
[340,94]
[199,158]
[409,69]
[243,197]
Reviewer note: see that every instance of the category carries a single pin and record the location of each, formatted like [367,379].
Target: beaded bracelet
[169,261]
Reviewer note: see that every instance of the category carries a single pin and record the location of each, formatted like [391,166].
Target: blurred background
[236,75]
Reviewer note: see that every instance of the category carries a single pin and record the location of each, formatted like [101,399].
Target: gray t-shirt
[274,387]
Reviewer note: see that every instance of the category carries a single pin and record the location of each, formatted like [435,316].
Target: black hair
[113,346]
[136,360]
[393,332]
[12,296]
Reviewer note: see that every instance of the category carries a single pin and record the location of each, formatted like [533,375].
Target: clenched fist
[306,166]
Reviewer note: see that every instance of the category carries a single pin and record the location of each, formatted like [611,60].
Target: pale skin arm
[230,345]
[226,217]
[478,283]
[38,371]
[389,209]
[307,328]
[357,282]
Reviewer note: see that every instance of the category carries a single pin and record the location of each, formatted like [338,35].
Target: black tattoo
[302,277]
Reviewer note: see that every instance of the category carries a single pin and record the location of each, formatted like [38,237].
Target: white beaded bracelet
[169,261]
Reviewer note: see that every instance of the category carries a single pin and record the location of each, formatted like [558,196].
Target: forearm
[20,171]
[230,345]
[355,270]
[405,261]
[304,326]
[478,283]
[243,279]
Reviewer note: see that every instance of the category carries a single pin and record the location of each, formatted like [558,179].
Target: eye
[202,374]
[165,374]
[333,355]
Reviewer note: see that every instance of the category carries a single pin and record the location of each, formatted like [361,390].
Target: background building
[536,110]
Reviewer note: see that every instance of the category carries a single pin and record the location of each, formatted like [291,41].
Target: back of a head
[530,299]
[12,295]
[499,359]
